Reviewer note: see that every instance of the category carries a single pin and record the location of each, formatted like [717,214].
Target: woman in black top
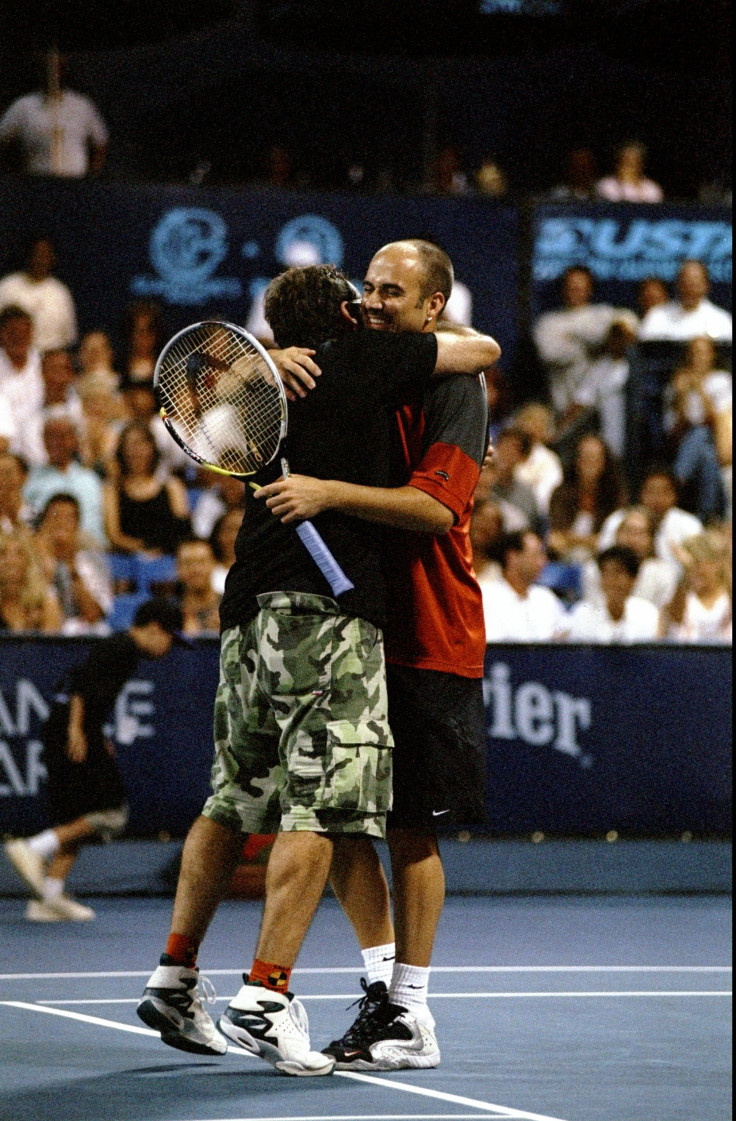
[143,512]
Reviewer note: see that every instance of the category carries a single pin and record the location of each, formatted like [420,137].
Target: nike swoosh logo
[439,813]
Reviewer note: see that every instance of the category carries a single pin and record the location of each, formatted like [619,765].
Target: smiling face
[394,292]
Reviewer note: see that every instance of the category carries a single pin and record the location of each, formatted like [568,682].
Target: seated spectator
[143,512]
[59,398]
[64,473]
[671,525]
[199,602]
[512,448]
[617,615]
[701,609]
[591,490]
[628,182]
[657,578]
[75,569]
[15,513]
[516,608]
[47,299]
[652,292]
[27,603]
[101,407]
[697,420]
[491,180]
[20,366]
[138,402]
[222,543]
[144,335]
[580,178]
[59,132]
[498,394]
[569,339]
[7,424]
[219,496]
[542,469]
[692,314]
[448,176]
[486,531]
[603,388]
[95,360]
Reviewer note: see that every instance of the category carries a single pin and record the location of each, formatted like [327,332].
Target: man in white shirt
[20,367]
[516,608]
[617,616]
[603,388]
[692,314]
[46,299]
[65,474]
[629,183]
[568,339]
[542,468]
[671,525]
[60,398]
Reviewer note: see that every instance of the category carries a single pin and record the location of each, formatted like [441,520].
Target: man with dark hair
[301,729]
[85,790]
[692,314]
[617,615]
[20,366]
[517,608]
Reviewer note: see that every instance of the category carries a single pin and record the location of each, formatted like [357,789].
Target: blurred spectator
[144,335]
[95,359]
[47,299]
[516,608]
[59,132]
[219,497]
[592,489]
[7,424]
[486,531]
[652,292]
[659,495]
[512,448]
[59,398]
[541,471]
[64,472]
[74,567]
[603,388]
[617,615]
[199,602]
[278,169]
[139,403]
[101,407]
[447,175]
[491,180]
[143,512]
[692,314]
[27,603]
[580,179]
[20,365]
[15,513]
[498,393]
[222,543]
[567,340]
[656,580]
[702,609]
[628,182]
[697,420]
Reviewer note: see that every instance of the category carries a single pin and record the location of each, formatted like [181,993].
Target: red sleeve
[448,474]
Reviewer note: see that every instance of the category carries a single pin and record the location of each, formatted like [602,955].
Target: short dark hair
[166,612]
[510,542]
[438,273]
[11,312]
[63,496]
[302,305]
[136,426]
[623,555]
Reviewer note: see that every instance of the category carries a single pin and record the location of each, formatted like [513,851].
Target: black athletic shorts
[439,727]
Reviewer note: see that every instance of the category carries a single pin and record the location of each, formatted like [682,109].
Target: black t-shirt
[340,430]
[97,680]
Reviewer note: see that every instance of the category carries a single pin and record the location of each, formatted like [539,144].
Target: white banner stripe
[327,971]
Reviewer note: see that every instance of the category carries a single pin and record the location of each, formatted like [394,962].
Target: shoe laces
[206,990]
[369,1003]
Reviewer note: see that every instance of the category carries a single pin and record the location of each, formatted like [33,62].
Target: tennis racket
[223,401]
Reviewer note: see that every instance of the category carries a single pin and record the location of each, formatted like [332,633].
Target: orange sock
[270,975]
[182,950]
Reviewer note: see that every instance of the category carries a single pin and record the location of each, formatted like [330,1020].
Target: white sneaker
[389,1038]
[171,1004]
[61,909]
[37,911]
[274,1026]
[28,864]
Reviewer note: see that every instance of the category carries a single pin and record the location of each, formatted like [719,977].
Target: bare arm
[300,497]
[76,739]
[115,536]
[464,353]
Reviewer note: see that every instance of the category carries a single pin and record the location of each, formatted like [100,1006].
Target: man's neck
[520,586]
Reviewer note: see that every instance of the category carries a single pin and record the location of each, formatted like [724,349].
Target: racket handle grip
[324,559]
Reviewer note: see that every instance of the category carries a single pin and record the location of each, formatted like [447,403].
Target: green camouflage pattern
[302,740]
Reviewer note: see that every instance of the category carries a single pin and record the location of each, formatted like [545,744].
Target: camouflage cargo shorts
[302,740]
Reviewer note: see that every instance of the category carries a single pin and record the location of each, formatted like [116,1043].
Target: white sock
[52,889]
[379,963]
[45,844]
[408,989]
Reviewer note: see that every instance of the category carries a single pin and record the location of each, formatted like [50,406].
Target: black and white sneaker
[275,1027]
[171,1004]
[385,1037]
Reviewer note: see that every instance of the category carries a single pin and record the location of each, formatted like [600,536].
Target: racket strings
[222,398]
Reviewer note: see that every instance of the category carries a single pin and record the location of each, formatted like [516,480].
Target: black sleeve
[105,670]
[403,363]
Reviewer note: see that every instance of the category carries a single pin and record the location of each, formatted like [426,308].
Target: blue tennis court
[548,1009]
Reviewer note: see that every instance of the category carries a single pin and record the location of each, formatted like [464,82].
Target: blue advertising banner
[622,244]
[581,740]
[206,252]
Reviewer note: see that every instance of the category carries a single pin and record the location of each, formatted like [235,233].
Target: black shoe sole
[171,1036]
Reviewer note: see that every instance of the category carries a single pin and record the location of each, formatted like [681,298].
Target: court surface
[547,1008]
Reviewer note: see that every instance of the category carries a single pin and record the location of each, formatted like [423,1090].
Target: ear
[435,307]
[346,312]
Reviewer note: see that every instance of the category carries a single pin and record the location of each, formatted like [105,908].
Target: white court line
[501,1111]
[378,1117]
[435,969]
[437,996]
